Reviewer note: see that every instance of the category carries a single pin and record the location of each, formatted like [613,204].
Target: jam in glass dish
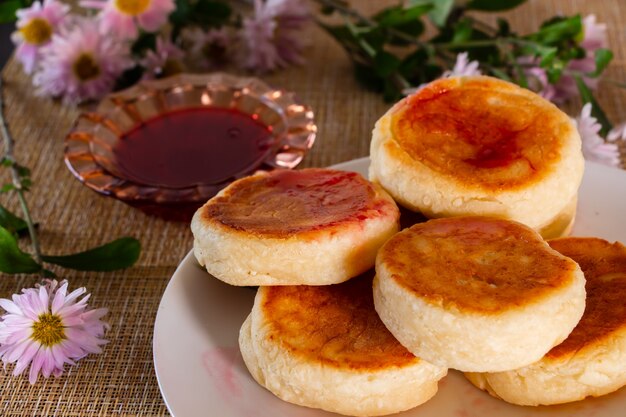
[167,146]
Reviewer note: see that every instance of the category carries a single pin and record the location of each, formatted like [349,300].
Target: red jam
[192,147]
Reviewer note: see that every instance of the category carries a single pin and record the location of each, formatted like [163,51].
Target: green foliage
[493,5]
[11,222]
[12,259]
[596,110]
[204,13]
[119,254]
[8,9]
[603,58]
[440,11]
[372,42]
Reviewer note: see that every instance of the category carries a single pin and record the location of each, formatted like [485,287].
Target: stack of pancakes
[476,288]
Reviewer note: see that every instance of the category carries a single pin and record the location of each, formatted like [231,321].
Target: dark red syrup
[192,147]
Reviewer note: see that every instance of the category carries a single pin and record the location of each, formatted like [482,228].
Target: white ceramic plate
[201,373]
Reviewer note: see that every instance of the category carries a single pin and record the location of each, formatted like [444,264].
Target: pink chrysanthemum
[208,49]
[45,327]
[123,17]
[594,147]
[273,36]
[594,38]
[35,27]
[165,61]
[463,67]
[81,64]
[617,133]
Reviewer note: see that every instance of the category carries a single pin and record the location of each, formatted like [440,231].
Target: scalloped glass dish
[127,146]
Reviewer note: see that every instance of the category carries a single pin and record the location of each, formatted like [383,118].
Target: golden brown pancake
[495,138]
[475,264]
[473,293]
[604,266]
[335,325]
[592,360]
[480,146]
[312,227]
[325,347]
[287,202]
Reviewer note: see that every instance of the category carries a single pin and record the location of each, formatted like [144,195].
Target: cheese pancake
[473,293]
[480,146]
[325,347]
[592,360]
[312,226]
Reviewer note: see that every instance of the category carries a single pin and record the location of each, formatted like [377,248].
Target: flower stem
[349,12]
[17,183]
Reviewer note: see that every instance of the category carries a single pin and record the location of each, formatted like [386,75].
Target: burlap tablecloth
[121,381]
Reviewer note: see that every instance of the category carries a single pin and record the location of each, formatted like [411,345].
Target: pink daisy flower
[463,67]
[273,36]
[122,17]
[45,327]
[594,147]
[594,38]
[35,27]
[81,64]
[617,133]
[165,61]
[208,49]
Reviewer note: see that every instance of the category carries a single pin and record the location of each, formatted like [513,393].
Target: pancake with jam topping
[480,146]
[477,293]
[325,347]
[592,360]
[311,226]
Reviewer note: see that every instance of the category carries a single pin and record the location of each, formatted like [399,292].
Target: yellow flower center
[48,330]
[132,7]
[85,67]
[37,31]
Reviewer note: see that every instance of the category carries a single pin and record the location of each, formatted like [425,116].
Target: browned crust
[285,203]
[482,132]
[475,264]
[334,325]
[604,266]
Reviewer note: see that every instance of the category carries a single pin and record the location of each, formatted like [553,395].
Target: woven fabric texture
[121,381]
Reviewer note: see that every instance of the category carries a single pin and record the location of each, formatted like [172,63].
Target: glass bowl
[92,148]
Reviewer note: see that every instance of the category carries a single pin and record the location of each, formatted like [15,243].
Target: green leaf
[8,9]
[12,259]
[493,5]
[368,78]
[385,64]
[500,74]
[462,31]
[414,28]
[180,15]
[144,42]
[6,188]
[22,171]
[603,58]
[504,29]
[440,12]
[120,253]
[559,30]
[11,222]
[209,13]
[396,16]
[596,111]
[547,55]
